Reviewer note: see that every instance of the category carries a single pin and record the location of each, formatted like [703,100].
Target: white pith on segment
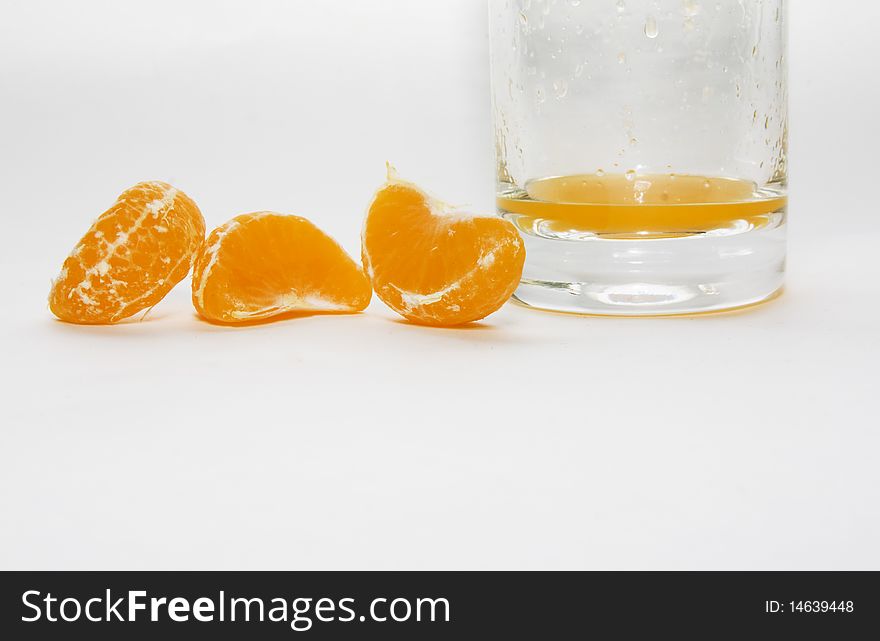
[413,300]
[212,251]
[102,267]
[291,302]
[159,283]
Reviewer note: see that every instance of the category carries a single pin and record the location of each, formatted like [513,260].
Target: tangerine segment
[435,265]
[131,257]
[261,265]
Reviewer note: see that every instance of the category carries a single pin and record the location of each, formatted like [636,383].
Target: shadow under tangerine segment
[627,205]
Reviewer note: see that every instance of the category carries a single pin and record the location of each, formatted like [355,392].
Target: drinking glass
[641,151]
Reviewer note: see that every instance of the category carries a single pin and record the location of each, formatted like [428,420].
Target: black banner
[442,605]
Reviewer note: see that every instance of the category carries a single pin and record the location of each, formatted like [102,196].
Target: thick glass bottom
[713,271]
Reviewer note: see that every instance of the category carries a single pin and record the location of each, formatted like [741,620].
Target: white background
[536,440]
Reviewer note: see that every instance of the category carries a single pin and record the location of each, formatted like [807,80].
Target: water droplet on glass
[651,29]
[690,7]
[578,70]
[621,6]
[631,174]
[706,184]
[600,172]
[560,89]
[574,3]
[621,58]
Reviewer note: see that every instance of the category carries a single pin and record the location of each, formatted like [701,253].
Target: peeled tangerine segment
[131,257]
[434,264]
[261,265]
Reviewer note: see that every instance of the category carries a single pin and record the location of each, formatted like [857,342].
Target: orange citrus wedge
[262,265]
[435,264]
[131,257]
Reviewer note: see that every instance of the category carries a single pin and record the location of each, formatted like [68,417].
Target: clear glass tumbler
[641,151]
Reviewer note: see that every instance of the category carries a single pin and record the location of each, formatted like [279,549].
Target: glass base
[713,271]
